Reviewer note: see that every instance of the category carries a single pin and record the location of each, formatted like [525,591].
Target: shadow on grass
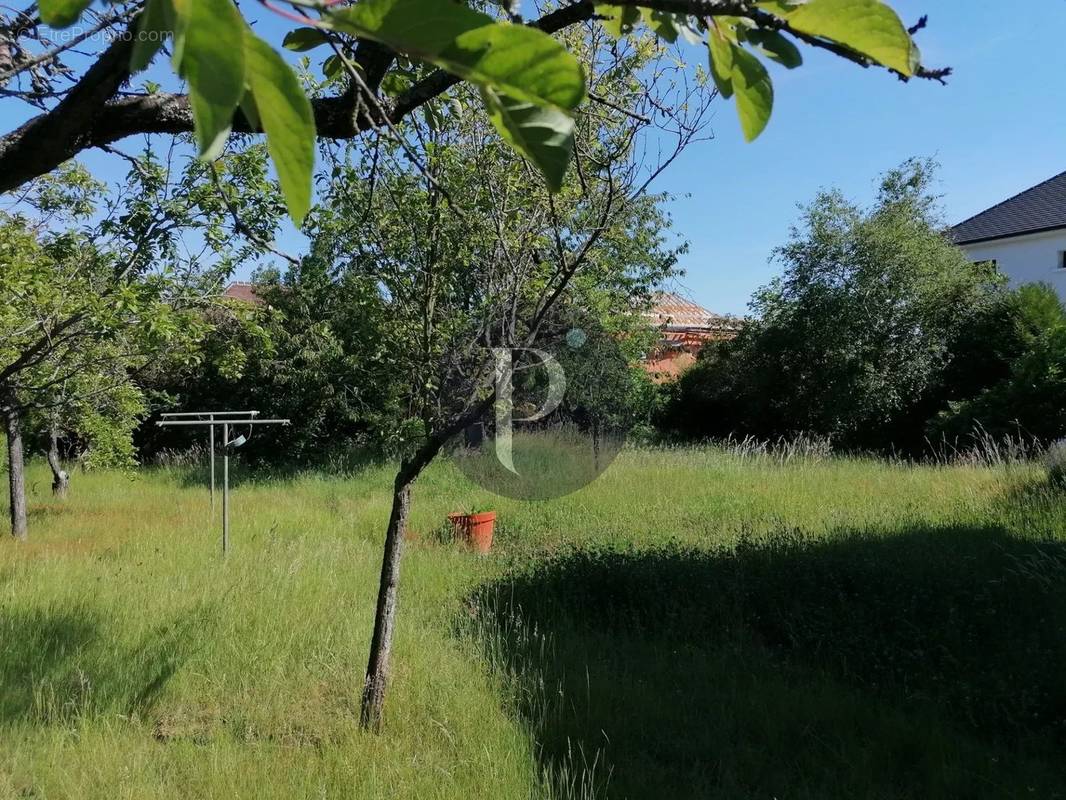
[60,664]
[922,663]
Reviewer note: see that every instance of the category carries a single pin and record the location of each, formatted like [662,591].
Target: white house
[1025,235]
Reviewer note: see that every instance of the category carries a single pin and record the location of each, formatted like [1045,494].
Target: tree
[529,83]
[1029,397]
[67,341]
[466,250]
[89,305]
[317,350]
[855,339]
[532,87]
[609,394]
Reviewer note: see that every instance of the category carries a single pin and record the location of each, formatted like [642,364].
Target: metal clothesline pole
[225,487]
[168,414]
[211,456]
[228,418]
[174,415]
[180,422]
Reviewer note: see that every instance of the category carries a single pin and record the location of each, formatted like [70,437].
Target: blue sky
[996,128]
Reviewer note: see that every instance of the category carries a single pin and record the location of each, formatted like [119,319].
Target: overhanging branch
[91,115]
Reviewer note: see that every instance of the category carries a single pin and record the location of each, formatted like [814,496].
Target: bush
[853,341]
[1030,401]
[881,335]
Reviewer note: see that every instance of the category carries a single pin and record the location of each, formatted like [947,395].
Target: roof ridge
[662,295]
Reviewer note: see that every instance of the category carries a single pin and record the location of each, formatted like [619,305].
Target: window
[1062,259]
[991,263]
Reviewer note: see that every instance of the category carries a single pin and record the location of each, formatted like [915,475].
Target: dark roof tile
[1040,208]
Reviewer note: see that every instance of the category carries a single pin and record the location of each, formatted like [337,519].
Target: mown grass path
[693,624]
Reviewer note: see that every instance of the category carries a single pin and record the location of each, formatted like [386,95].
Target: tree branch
[91,116]
[48,140]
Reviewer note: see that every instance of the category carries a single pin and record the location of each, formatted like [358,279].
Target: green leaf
[251,111]
[618,21]
[181,16]
[516,60]
[61,13]
[666,26]
[542,134]
[755,93]
[212,60]
[868,27]
[773,45]
[721,55]
[303,39]
[731,28]
[738,72]
[286,117]
[395,84]
[154,24]
[333,66]
[431,116]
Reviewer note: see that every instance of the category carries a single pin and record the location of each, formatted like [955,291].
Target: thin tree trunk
[596,445]
[16,476]
[377,669]
[60,479]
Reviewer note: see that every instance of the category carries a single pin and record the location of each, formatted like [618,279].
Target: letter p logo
[505,406]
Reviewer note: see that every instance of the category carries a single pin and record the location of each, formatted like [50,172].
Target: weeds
[1055,460]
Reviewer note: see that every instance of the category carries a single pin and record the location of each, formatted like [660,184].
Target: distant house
[1025,235]
[685,327]
[245,292]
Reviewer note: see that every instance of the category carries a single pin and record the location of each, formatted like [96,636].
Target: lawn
[694,624]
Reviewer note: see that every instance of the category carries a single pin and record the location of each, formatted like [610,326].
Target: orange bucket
[475,529]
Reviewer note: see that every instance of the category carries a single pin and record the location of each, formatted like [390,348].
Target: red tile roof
[685,328]
[672,312]
[245,292]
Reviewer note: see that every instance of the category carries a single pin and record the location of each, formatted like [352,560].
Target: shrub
[1030,401]
[854,339]
[881,335]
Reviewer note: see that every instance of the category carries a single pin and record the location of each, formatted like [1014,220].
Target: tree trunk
[16,476]
[60,479]
[596,445]
[377,669]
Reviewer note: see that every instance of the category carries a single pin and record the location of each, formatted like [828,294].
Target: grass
[692,624]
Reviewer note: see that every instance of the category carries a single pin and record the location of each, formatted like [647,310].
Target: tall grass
[650,635]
